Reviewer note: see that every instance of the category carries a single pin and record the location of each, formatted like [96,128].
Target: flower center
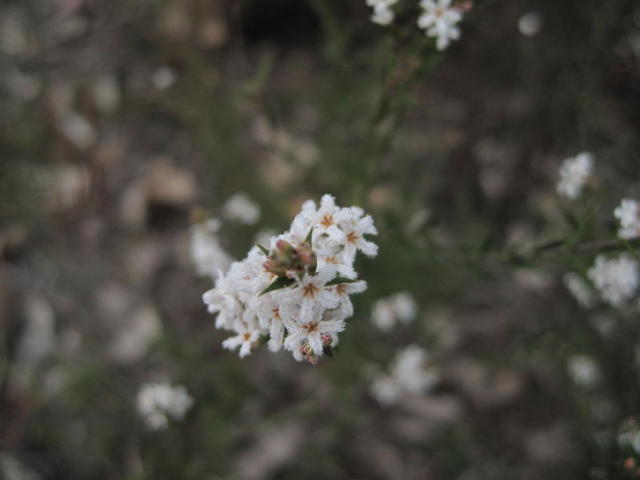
[352,237]
[311,327]
[439,12]
[246,337]
[276,313]
[309,290]
[327,221]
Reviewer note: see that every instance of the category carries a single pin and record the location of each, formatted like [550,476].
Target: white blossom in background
[580,289]
[207,254]
[163,78]
[157,402]
[616,279]
[440,20]
[628,214]
[583,370]
[382,12]
[575,173]
[530,23]
[397,308]
[241,209]
[296,292]
[410,373]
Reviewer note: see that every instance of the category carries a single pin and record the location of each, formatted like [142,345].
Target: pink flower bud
[327,339]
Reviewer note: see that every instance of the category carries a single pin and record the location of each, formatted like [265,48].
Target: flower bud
[305,255]
[629,464]
[308,354]
[288,261]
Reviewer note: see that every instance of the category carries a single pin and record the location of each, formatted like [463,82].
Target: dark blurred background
[124,121]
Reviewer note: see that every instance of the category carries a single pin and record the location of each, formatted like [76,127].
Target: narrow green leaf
[309,237]
[328,351]
[262,249]
[277,284]
[337,280]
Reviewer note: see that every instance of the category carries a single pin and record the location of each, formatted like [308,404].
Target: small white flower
[410,370]
[575,173]
[156,402]
[398,308]
[241,209]
[530,24]
[616,279]
[583,370]
[246,339]
[355,226]
[270,312]
[409,373]
[207,254]
[386,390]
[580,289]
[311,292]
[324,221]
[310,333]
[382,13]
[628,214]
[344,290]
[382,16]
[439,19]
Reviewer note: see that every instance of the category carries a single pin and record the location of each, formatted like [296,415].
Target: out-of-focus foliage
[123,122]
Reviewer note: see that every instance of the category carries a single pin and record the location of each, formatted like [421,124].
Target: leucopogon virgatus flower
[389,311]
[157,402]
[410,373]
[295,294]
[240,208]
[382,12]
[628,214]
[617,279]
[575,173]
[583,370]
[440,20]
[207,254]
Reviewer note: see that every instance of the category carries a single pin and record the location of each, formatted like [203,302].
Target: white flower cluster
[616,279]
[409,373]
[207,254]
[298,292]
[575,173]
[439,18]
[382,13]
[628,214]
[156,402]
[397,308]
[440,21]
